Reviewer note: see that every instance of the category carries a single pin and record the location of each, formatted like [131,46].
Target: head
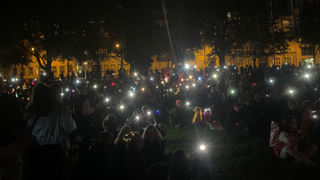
[292,105]
[307,106]
[133,140]
[317,105]
[288,124]
[145,109]
[82,88]
[236,106]
[43,100]
[57,90]
[247,102]
[151,133]
[137,111]
[178,103]
[124,130]
[158,171]
[257,97]
[106,138]
[108,119]
[180,160]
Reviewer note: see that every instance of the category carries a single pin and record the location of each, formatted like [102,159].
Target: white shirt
[284,137]
[54,129]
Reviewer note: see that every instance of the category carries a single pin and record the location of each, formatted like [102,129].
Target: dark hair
[158,171]
[81,85]
[306,104]
[43,100]
[180,165]
[237,104]
[290,103]
[317,104]
[284,124]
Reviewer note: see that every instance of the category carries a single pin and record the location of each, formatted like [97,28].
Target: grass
[230,158]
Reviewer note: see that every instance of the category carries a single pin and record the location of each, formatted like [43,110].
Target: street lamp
[32,49]
[117,45]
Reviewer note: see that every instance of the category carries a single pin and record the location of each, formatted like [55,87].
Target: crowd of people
[116,132]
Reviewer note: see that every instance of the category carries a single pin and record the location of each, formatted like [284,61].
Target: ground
[228,157]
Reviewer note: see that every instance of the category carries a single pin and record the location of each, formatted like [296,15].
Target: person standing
[10,118]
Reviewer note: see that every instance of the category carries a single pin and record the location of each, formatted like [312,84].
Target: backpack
[273,141]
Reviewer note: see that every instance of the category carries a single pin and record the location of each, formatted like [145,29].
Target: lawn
[231,158]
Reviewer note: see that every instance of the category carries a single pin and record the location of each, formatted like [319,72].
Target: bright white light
[95,86]
[235,68]
[148,113]
[180,84]
[77,81]
[307,76]
[67,89]
[225,67]
[199,78]
[202,147]
[215,76]
[217,69]
[62,94]
[187,66]
[12,80]
[157,87]
[142,89]
[131,94]
[295,73]
[35,79]
[135,74]
[151,79]
[107,99]
[16,79]
[291,91]
[267,95]
[44,74]
[187,103]
[79,72]
[193,85]
[170,89]
[232,91]
[314,116]
[161,82]
[137,118]
[173,74]
[190,77]
[187,87]
[309,66]
[194,66]
[271,80]
[278,68]
[286,63]
[121,107]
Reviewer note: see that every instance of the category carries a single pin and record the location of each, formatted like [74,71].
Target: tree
[13,56]
[309,26]
[183,29]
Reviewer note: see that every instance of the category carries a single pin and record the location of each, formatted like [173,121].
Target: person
[307,123]
[176,117]
[83,110]
[289,134]
[57,90]
[134,159]
[50,128]
[292,110]
[109,123]
[197,118]
[134,118]
[146,117]
[153,150]
[98,163]
[181,165]
[234,120]
[10,120]
[158,171]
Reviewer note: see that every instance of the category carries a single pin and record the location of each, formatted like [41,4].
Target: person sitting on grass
[293,139]
[234,120]
[153,150]
[176,117]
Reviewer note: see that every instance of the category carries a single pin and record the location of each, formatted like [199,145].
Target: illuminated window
[30,70]
[277,60]
[62,69]
[287,59]
[285,23]
[54,69]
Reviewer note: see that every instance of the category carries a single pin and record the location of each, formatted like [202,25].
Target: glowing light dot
[202,147]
